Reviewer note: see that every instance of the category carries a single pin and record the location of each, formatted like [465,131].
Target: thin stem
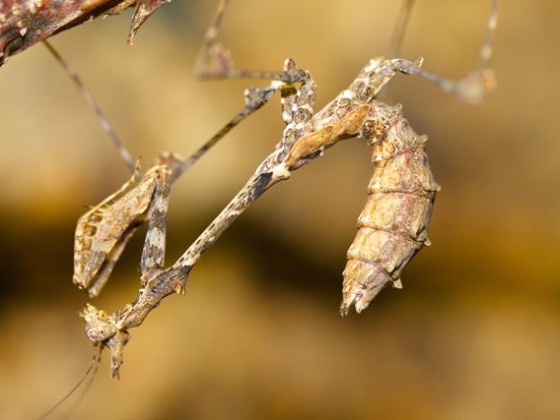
[90,100]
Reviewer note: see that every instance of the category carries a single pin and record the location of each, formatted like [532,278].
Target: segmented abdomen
[392,228]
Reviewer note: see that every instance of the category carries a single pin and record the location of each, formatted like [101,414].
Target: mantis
[392,228]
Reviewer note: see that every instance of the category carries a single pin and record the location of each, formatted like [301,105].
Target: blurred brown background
[474,333]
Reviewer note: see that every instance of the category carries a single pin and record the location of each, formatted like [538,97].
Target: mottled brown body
[23,23]
[392,228]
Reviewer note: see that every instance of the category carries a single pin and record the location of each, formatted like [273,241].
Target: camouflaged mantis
[392,228]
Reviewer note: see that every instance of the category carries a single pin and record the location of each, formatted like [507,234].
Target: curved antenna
[400,28]
[396,40]
[86,94]
[90,373]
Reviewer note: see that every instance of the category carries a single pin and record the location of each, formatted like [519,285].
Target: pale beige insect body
[392,227]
